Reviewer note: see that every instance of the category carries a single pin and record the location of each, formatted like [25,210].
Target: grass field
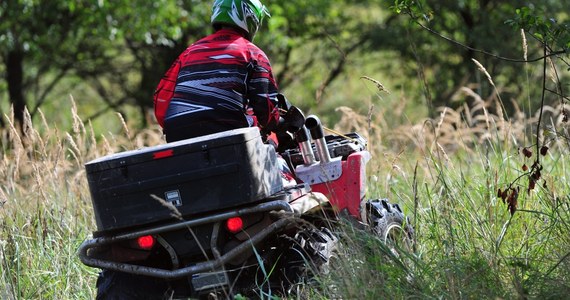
[445,173]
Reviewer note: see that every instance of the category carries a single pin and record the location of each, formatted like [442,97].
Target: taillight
[145,242]
[234,225]
[163,154]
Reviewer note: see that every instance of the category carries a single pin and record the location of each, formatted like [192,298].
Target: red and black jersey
[214,82]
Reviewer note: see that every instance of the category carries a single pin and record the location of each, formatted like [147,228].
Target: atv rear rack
[206,266]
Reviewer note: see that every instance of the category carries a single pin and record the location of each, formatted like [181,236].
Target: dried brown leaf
[526,152]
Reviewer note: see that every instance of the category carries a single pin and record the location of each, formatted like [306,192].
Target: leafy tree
[122,48]
[313,42]
[41,42]
[103,43]
[150,35]
[444,36]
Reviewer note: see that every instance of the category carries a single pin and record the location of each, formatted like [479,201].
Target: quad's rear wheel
[113,285]
[309,255]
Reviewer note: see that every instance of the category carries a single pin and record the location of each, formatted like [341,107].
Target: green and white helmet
[244,14]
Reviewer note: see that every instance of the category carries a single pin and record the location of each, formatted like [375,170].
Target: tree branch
[107,108]
[107,99]
[48,89]
[334,73]
[559,94]
[553,53]
[286,65]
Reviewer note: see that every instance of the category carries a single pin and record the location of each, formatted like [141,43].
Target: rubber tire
[310,255]
[113,285]
[382,216]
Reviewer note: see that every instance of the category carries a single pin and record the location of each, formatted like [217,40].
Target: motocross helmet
[244,14]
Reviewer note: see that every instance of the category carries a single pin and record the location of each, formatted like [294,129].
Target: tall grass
[45,208]
[469,245]
[445,173]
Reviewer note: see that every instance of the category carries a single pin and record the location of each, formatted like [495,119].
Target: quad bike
[214,215]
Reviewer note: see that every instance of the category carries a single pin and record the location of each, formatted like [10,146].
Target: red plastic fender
[347,191]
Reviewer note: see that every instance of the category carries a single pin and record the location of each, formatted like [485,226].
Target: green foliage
[446,35]
[157,22]
[413,8]
[316,49]
[118,49]
[43,42]
[547,30]
[113,53]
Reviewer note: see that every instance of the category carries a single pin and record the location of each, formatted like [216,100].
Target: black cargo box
[198,175]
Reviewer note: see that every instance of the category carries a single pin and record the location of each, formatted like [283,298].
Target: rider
[222,81]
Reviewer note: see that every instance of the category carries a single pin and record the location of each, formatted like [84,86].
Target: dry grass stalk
[75,152]
[480,105]
[379,85]
[501,117]
[490,79]
[3,197]
[30,135]
[352,121]
[440,123]
[17,144]
[482,69]
[445,156]
[125,127]
[148,136]
[43,169]
[78,127]
[552,71]
[107,146]
[473,125]
[524,45]
[93,141]
[174,212]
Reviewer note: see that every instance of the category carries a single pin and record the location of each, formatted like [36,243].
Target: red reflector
[145,242]
[234,224]
[163,154]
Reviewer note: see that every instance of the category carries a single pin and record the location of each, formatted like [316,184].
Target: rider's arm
[164,92]
[262,91]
